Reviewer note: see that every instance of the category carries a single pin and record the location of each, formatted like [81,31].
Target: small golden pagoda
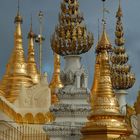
[122,77]
[105,120]
[16,71]
[31,64]
[56,81]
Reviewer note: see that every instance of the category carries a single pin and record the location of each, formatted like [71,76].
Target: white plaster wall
[121,96]
[72,63]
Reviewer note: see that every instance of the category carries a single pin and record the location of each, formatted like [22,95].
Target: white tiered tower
[72,110]
[70,40]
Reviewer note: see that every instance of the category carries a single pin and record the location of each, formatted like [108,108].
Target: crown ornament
[71,36]
[122,77]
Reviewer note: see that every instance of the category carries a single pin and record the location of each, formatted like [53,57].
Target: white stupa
[70,40]
[72,110]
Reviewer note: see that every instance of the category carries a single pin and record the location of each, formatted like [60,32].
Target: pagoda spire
[31,64]
[16,71]
[103,44]
[18,33]
[105,120]
[122,78]
[56,81]
[105,107]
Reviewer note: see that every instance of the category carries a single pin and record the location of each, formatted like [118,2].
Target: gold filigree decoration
[71,36]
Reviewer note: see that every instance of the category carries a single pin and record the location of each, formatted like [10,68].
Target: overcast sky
[92,10]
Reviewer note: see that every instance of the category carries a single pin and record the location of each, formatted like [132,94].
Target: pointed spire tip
[18,18]
[119,13]
[31,34]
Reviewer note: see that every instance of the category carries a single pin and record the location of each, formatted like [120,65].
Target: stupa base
[105,133]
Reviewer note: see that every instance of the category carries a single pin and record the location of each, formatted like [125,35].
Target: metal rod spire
[18,6]
[104,10]
[98,29]
[31,23]
[40,43]
[40,15]
[40,39]
[119,2]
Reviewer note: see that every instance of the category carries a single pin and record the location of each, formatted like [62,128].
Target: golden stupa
[56,81]
[104,44]
[16,70]
[31,64]
[105,120]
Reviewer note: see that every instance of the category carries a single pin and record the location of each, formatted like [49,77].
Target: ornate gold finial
[105,120]
[122,78]
[55,82]
[119,41]
[71,36]
[31,64]
[16,71]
